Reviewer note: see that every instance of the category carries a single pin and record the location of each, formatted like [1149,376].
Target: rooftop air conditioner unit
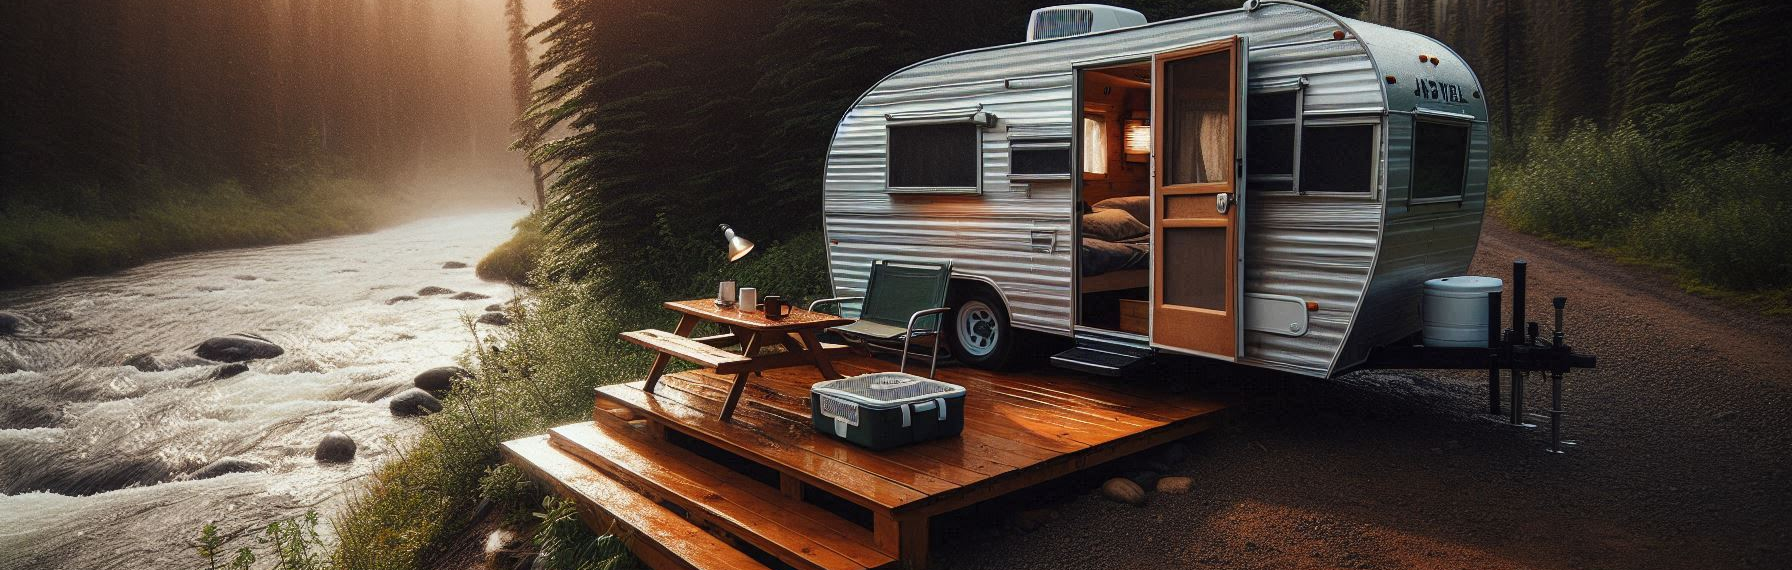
[1078,19]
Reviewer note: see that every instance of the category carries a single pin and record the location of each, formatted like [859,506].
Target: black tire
[978,329]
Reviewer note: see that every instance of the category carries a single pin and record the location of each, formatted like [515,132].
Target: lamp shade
[738,247]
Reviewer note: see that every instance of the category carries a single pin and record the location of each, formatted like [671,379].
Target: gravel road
[1681,463]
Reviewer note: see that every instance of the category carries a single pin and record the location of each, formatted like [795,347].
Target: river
[94,455]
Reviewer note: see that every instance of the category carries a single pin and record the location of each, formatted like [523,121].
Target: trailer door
[1195,219]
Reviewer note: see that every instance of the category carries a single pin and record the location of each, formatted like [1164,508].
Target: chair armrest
[833,301]
[918,314]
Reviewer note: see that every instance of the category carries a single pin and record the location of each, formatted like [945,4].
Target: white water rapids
[94,454]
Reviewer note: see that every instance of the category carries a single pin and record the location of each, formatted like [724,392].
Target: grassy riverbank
[538,373]
[85,230]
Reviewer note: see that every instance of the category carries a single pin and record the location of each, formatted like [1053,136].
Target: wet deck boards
[1020,430]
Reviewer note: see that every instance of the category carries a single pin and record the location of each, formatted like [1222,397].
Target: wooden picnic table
[749,330]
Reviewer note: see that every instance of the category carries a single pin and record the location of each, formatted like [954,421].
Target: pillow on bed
[1113,225]
[1138,206]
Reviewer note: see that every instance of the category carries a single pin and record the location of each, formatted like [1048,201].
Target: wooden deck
[1020,430]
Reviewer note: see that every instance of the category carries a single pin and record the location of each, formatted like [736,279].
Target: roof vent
[1078,19]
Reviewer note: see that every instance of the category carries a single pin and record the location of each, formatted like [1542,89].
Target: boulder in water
[229,370]
[494,307]
[415,402]
[439,380]
[237,348]
[433,290]
[227,466]
[400,299]
[495,318]
[11,324]
[470,296]
[336,447]
[454,265]
[152,362]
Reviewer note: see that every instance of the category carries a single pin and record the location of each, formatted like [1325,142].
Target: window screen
[934,156]
[1337,158]
[1269,142]
[1040,158]
[1439,160]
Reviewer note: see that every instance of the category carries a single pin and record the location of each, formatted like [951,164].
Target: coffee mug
[749,299]
[775,308]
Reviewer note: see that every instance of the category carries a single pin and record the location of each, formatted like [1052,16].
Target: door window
[1199,119]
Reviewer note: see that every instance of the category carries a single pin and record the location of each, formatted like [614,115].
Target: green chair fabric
[899,289]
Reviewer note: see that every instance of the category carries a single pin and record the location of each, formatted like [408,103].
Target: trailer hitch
[1518,350]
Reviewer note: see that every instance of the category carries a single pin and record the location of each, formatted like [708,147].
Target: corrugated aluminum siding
[1418,241]
[1318,248]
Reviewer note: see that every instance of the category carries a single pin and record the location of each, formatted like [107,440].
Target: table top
[796,319]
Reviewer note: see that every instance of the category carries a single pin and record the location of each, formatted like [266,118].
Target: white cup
[725,293]
[749,299]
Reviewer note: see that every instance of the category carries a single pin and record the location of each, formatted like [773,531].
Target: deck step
[795,532]
[1097,361]
[831,474]
[659,537]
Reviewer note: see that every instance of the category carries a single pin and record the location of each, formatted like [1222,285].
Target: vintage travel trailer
[1270,185]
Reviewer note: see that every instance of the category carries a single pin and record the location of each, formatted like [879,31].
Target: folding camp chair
[903,301]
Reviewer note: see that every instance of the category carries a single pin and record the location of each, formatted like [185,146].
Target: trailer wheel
[979,331]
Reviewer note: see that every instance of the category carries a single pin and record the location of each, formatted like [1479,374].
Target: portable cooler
[887,409]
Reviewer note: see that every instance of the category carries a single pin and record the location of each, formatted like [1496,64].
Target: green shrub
[566,544]
[1724,219]
[1728,223]
[1586,185]
[515,259]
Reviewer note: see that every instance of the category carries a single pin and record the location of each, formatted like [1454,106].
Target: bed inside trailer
[1114,201]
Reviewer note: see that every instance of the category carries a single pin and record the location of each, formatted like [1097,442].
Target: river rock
[495,318]
[494,307]
[229,370]
[237,348]
[1167,457]
[11,324]
[1175,485]
[1121,489]
[227,466]
[152,362]
[400,299]
[469,296]
[439,380]
[415,402]
[504,549]
[336,447]
[454,265]
[433,290]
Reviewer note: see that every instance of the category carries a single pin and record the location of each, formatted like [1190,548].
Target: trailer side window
[1272,138]
[1039,159]
[1337,157]
[1439,160]
[935,157]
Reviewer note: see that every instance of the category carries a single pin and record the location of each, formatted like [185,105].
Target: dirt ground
[1681,460]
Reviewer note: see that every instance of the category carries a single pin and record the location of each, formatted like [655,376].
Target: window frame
[1299,87]
[1041,142]
[1412,160]
[977,122]
[1375,124]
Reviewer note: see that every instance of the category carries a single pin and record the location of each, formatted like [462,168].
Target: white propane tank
[1455,310]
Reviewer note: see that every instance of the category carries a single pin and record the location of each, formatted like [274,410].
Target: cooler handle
[934,404]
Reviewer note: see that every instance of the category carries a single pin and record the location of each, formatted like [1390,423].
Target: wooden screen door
[1195,221]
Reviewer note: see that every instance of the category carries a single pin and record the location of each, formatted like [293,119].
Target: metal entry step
[1103,353]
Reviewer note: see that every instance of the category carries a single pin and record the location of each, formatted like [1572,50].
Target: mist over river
[94,454]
